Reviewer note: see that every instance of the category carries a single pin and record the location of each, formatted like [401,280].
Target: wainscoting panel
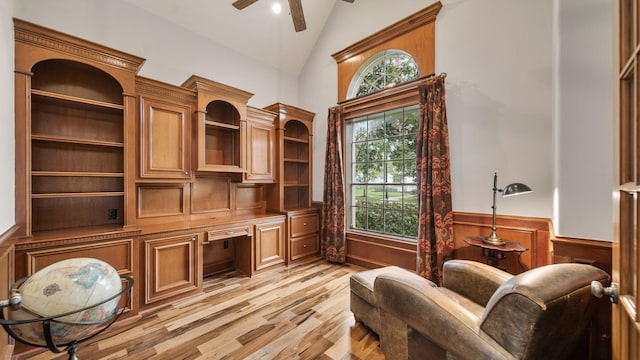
[534,233]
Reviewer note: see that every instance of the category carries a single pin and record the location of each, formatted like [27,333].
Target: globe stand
[71,347]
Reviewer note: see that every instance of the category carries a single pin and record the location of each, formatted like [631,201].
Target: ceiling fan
[295,7]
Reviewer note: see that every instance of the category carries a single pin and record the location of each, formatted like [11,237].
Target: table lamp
[509,190]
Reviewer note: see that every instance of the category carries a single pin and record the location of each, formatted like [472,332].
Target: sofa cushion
[361,283]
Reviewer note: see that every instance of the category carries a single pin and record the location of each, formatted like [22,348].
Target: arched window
[383,70]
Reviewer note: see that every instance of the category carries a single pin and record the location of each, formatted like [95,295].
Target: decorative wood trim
[32,256]
[200,84]
[6,237]
[420,18]
[593,252]
[402,95]
[414,35]
[288,112]
[36,35]
[70,237]
[164,90]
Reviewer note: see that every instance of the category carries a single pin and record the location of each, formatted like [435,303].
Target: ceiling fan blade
[241,4]
[295,7]
[349,1]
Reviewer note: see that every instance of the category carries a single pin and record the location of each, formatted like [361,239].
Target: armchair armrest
[435,316]
[473,280]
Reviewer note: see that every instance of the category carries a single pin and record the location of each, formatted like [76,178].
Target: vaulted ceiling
[255,31]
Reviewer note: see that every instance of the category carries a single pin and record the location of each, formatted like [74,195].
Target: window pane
[376,127]
[375,220]
[393,223]
[360,218]
[375,196]
[375,173]
[409,148]
[394,148]
[410,220]
[395,171]
[376,150]
[411,115]
[393,197]
[410,171]
[394,122]
[359,195]
[359,174]
[383,192]
[359,130]
[410,198]
[360,151]
[382,70]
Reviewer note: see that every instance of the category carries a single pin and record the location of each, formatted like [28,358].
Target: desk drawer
[303,225]
[230,233]
[305,246]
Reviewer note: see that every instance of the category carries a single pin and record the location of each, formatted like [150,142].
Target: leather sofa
[481,312]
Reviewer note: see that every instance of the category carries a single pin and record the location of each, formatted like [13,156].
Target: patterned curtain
[435,224]
[333,234]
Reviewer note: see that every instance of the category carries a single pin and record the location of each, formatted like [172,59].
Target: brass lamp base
[493,240]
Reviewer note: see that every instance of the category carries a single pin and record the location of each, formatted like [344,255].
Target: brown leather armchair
[481,312]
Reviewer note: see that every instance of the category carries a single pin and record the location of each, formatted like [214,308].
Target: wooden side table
[495,253]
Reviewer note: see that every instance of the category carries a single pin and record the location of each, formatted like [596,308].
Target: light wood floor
[297,313]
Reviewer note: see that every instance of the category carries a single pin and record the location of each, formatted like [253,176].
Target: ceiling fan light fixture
[276,8]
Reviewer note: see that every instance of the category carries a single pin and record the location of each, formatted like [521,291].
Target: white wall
[499,57]
[584,107]
[173,53]
[7,144]
[528,90]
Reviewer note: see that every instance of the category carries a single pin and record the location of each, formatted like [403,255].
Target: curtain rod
[397,88]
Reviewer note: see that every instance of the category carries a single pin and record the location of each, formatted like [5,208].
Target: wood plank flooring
[300,312]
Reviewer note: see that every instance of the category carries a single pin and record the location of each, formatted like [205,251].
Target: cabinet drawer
[303,225]
[229,233]
[302,247]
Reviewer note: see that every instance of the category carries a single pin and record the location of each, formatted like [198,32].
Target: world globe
[79,294]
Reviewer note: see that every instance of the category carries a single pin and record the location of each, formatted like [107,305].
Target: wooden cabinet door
[164,143]
[171,267]
[260,152]
[269,245]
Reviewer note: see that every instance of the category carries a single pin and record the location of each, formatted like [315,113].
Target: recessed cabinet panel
[165,149]
[51,212]
[269,245]
[171,267]
[156,200]
[249,197]
[211,194]
[117,253]
[261,146]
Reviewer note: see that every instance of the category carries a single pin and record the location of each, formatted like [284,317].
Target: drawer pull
[229,233]
[305,224]
[304,246]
